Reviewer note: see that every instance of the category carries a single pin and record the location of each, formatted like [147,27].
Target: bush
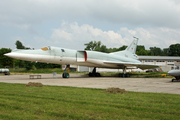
[34,84]
[116,90]
[33,67]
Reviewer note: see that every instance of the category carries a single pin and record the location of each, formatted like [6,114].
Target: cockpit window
[62,50]
[49,47]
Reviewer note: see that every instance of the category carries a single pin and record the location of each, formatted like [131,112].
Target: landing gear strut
[124,74]
[66,72]
[94,73]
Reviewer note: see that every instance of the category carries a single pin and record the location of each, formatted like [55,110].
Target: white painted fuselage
[56,55]
[74,57]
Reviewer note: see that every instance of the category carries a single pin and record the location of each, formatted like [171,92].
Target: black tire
[97,75]
[127,75]
[63,75]
[120,75]
[7,73]
[67,75]
[90,75]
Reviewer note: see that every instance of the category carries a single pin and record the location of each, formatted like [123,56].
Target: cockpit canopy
[46,48]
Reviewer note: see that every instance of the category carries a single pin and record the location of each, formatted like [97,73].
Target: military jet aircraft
[116,60]
[175,73]
[5,71]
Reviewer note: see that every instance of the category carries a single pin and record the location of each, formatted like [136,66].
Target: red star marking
[134,43]
[132,48]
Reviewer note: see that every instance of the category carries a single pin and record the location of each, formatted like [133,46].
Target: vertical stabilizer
[132,47]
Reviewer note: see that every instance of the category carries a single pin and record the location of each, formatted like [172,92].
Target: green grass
[140,74]
[45,70]
[149,75]
[39,71]
[53,102]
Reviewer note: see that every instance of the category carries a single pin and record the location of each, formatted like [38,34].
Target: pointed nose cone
[174,72]
[8,54]
[170,72]
[22,56]
[12,55]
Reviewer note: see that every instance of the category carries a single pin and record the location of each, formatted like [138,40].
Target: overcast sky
[72,23]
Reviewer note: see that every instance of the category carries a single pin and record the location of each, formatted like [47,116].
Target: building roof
[158,58]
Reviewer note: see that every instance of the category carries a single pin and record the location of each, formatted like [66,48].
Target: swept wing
[129,64]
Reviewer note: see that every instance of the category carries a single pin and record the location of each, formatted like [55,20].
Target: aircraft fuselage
[67,56]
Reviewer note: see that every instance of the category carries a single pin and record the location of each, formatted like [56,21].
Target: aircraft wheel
[65,75]
[90,74]
[120,74]
[127,75]
[7,73]
[98,75]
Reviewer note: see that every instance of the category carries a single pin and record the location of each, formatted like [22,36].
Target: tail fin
[132,47]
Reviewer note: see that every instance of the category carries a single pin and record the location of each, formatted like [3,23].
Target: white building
[166,62]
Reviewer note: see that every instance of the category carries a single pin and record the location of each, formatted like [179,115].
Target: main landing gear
[177,78]
[124,74]
[94,73]
[6,73]
[66,72]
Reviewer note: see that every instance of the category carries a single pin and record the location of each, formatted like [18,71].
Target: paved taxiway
[156,85]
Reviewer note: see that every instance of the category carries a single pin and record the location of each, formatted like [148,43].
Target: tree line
[10,62]
[173,50]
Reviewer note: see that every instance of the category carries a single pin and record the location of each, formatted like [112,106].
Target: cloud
[73,33]
[161,13]
[61,34]
[150,37]
[74,36]
[114,23]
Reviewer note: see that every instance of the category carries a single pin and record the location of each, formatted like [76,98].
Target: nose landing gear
[66,72]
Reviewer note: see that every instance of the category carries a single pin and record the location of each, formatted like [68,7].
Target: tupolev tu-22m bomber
[117,60]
